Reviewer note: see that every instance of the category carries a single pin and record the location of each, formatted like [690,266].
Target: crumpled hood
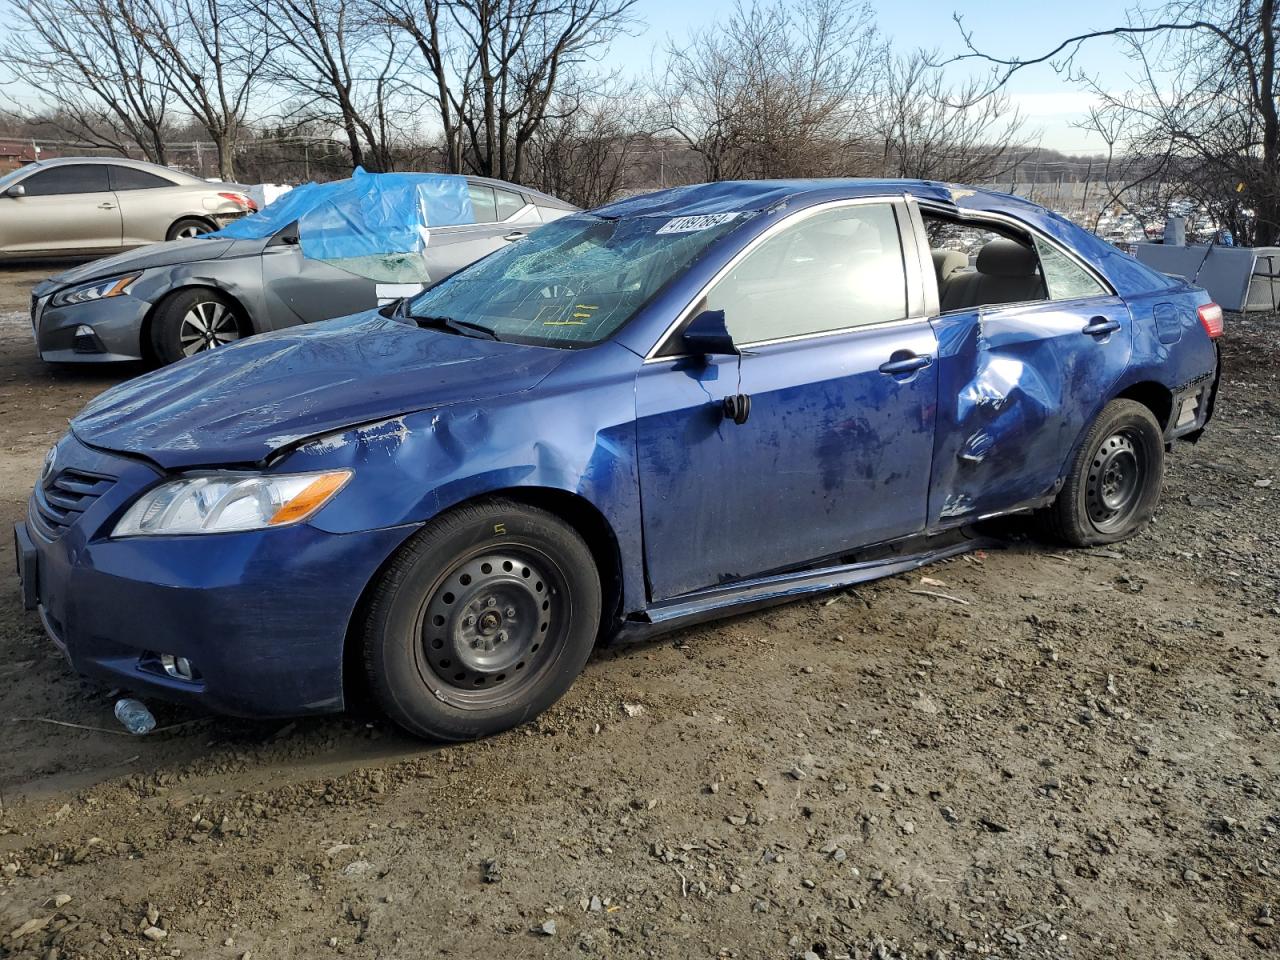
[237,404]
[152,255]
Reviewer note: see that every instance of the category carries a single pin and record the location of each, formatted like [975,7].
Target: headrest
[947,262]
[1006,258]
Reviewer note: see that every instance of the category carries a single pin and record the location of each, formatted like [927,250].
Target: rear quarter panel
[1170,344]
[147,215]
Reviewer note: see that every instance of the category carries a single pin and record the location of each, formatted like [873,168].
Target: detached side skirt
[757,593]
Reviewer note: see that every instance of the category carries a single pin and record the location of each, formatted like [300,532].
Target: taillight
[1211,319]
[241,201]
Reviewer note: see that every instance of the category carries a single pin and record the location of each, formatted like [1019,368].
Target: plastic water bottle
[134,716]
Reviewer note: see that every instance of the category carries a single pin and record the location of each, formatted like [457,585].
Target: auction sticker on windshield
[692,224]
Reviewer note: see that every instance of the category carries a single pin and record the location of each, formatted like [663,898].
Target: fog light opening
[86,341]
[179,668]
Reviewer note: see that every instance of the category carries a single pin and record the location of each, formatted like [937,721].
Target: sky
[1049,103]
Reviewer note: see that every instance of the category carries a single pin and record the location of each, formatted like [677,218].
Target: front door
[66,208]
[298,289]
[835,452]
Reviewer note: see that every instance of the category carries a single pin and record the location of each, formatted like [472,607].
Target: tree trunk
[226,157]
[1267,214]
[353,143]
[159,154]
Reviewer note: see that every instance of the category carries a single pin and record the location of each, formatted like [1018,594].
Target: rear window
[129,178]
[482,202]
[509,203]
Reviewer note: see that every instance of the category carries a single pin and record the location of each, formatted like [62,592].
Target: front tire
[191,322]
[1114,482]
[481,621]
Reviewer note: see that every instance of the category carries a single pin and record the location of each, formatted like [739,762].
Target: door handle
[1100,327]
[106,206]
[514,235]
[904,365]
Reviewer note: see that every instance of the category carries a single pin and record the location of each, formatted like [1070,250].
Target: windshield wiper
[464,327]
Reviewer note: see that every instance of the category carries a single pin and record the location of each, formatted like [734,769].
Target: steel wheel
[481,620]
[1116,481]
[1111,486]
[208,324]
[491,625]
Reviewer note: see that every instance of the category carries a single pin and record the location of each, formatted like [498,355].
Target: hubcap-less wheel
[206,325]
[1115,484]
[490,626]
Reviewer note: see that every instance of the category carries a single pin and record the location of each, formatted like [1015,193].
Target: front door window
[835,270]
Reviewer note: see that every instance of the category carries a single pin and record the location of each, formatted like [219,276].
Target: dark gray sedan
[168,301]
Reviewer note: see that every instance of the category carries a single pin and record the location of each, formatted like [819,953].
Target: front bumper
[262,615]
[115,326]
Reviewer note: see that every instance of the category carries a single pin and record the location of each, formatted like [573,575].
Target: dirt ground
[1073,756]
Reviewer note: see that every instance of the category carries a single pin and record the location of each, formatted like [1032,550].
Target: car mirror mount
[17,190]
[708,335]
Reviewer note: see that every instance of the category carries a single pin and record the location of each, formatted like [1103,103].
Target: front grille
[60,502]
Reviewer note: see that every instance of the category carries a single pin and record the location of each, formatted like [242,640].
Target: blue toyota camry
[674,407]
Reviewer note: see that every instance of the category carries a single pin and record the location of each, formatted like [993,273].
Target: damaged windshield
[573,282]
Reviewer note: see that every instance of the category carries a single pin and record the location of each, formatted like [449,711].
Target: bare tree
[209,53]
[1203,114]
[587,144]
[777,90]
[493,68]
[337,66]
[930,131]
[94,73]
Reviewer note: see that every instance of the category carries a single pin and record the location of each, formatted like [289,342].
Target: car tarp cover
[375,225]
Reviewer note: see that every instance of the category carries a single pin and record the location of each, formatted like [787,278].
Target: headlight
[223,502]
[97,290]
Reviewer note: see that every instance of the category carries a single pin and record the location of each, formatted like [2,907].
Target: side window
[509,203]
[550,214]
[838,269]
[74,178]
[482,202]
[127,178]
[976,265]
[1065,278]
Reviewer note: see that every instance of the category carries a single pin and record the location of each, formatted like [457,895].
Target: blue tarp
[371,221]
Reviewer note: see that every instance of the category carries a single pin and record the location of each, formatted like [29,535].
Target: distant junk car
[98,206]
[673,408]
[277,267]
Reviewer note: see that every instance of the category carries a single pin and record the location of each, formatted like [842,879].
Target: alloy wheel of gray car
[208,324]
[192,321]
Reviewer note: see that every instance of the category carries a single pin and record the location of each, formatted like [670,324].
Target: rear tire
[1113,485]
[193,321]
[481,622]
[189,227]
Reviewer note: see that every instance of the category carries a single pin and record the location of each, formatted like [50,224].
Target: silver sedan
[95,206]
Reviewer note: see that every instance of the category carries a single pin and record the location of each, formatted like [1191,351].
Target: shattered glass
[575,281]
